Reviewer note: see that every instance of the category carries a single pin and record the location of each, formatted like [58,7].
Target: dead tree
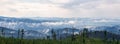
[22,33]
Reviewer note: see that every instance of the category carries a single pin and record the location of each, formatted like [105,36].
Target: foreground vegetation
[73,39]
[78,40]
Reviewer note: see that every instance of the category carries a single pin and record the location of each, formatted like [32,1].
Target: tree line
[82,37]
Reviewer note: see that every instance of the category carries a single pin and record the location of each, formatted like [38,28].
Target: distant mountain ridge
[43,25]
[66,32]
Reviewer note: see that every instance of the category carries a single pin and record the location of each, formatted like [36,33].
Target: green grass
[78,40]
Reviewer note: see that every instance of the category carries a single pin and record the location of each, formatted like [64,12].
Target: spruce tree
[2,32]
[53,34]
[105,35]
[113,39]
[18,33]
[95,32]
[73,34]
[85,31]
[48,37]
[66,31]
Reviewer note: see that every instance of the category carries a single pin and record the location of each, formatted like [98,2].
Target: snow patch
[58,23]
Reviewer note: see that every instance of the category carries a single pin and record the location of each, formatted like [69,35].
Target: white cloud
[33,9]
[98,9]
[61,1]
[54,8]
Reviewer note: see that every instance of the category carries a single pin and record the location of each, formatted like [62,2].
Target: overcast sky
[60,8]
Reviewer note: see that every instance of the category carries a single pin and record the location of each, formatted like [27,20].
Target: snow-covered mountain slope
[43,25]
[46,23]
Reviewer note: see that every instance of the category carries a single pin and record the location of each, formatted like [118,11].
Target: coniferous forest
[81,38]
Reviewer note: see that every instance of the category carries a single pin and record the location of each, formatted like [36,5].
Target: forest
[84,37]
